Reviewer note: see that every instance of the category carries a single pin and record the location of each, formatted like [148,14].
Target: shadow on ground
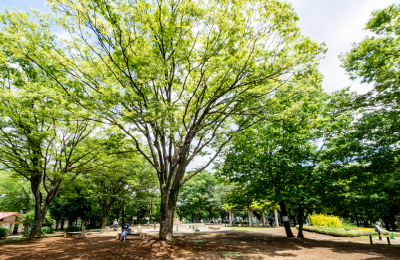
[250,245]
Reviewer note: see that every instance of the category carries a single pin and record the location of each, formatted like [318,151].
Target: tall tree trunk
[167,210]
[62,224]
[151,211]
[300,219]
[123,214]
[293,217]
[356,215]
[286,223]
[386,220]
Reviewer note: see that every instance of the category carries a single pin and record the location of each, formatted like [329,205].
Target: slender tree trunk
[151,211]
[300,219]
[293,217]
[286,223]
[356,215]
[62,224]
[392,223]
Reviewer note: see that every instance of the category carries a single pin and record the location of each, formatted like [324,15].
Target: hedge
[3,232]
[351,233]
[47,230]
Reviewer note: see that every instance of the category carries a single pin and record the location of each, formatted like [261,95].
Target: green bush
[47,230]
[3,232]
[341,232]
[72,229]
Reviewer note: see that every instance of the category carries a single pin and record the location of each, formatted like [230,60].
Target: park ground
[238,243]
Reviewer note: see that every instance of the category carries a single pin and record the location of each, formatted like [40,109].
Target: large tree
[42,138]
[172,73]
[375,60]
[288,161]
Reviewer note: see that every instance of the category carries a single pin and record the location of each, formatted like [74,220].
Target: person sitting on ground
[379,230]
[115,224]
[124,233]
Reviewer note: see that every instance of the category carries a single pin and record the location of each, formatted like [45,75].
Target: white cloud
[338,23]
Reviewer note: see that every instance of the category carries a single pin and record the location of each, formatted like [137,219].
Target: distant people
[219,220]
[201,220]
[155,225]
[124,233]
[379,230]
[115,224]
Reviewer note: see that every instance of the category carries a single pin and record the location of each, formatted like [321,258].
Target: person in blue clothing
[124,233]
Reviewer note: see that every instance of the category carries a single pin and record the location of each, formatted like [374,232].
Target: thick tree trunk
[62,224]
[285,223]
[167,210]
[300,219]
[104,222]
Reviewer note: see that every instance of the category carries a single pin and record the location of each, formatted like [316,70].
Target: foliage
[374,60]
[325,220]
[172,73]
[47,230]
[15,193]
[72,228]
[3,232]
[341,232]
[202,194]
[47,220]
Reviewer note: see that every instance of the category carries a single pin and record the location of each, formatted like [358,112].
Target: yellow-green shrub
[325,220]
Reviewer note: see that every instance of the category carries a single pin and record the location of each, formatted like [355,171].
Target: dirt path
[251,245]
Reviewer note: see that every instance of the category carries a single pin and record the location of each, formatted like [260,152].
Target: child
[155,225]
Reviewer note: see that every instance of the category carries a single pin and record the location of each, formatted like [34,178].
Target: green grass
[11,240]
[199,241]
[230,254]
[225,240]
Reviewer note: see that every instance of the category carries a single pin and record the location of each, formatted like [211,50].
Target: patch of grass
[230,254]
[199,241]
[225,240]
[11,240]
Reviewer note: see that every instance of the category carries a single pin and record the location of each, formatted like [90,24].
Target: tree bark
[356,215]
[62,224]
[151,211]
[276,218]
[104,222]
[300,219]
[285,223]
[293,217]
[167,210]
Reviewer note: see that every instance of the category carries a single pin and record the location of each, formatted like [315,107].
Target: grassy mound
[343,232]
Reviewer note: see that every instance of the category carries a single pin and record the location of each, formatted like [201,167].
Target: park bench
[75,234]
[140,235]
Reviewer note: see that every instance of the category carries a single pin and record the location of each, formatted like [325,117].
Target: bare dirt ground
[251,245]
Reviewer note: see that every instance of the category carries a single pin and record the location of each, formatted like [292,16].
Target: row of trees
[334,153]
[140,89]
